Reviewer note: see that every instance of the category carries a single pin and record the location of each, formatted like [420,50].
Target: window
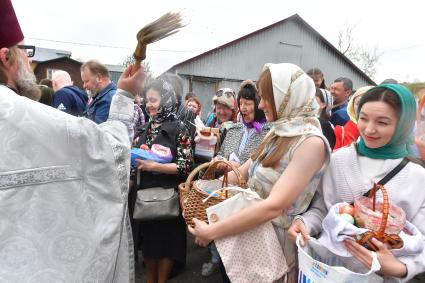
[50,73]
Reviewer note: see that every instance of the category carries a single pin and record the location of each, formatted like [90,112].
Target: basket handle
[385,208]
[194,172]
[213,166]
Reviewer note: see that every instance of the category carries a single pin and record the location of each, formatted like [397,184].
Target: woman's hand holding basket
[390,265]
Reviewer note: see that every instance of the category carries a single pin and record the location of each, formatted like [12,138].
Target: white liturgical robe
[63,193]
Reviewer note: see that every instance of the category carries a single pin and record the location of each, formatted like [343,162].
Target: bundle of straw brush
[168,24]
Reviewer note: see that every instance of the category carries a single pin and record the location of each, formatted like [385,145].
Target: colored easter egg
[348,209]
[347,217]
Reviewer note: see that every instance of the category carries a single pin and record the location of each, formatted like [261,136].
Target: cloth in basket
[336,230]
[192,196]
[254,255]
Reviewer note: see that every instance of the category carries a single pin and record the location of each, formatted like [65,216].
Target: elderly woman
[386,116]
[194,104]
[223,116]
[164,241]
[244,137]
[225,108]
[283,169]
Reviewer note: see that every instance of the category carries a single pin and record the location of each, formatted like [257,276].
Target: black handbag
[156,204]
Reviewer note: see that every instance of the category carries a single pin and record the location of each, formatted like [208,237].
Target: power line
[105,46]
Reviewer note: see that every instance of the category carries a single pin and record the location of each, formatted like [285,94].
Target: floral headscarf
[294,95]
[168,104]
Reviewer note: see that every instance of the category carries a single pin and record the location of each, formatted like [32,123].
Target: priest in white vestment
[63,179]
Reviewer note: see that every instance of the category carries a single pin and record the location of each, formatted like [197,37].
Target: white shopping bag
[252,256]
[319,265]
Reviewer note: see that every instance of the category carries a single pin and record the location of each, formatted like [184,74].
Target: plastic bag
[319,265]
[367,218]
[157,153]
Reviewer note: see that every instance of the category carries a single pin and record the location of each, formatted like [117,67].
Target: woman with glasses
[287,166]
[225,108]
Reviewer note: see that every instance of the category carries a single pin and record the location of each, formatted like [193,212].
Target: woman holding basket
[386,116]
[286,168]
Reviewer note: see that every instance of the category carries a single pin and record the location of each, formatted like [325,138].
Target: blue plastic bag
[137,153]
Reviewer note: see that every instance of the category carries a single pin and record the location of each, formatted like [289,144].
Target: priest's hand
[132,83]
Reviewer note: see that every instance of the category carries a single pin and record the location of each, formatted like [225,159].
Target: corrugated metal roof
[46,54]
[214,54]
[115,68]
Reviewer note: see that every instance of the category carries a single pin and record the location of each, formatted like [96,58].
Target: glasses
[29,49]
[226,92]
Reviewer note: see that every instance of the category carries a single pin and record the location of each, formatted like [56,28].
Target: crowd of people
[68,194]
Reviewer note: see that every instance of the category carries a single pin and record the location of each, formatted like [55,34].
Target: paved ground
[192,273]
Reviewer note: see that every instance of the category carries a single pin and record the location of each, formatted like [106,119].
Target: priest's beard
[26,81]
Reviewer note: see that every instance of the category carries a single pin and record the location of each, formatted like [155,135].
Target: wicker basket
[420,131]
[191,196]
[392,240]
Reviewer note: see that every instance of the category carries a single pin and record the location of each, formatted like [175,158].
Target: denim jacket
[98,108]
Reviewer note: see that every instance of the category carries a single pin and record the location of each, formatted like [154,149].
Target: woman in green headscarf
[386,116]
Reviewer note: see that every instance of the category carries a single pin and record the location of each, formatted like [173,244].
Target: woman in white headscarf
[286,168]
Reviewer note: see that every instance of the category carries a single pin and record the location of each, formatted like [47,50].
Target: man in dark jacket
[97,81]
[67,97]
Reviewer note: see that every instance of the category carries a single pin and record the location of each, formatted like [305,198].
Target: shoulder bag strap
[391,174]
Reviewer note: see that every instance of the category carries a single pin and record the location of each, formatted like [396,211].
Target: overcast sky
[394,27]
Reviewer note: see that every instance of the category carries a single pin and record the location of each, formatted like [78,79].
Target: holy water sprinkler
[166,25]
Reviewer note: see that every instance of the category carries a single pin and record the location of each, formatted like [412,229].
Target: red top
[345,135]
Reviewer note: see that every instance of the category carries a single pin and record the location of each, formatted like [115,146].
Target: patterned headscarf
[350,106]
[399,145]
[168,104]
[227,97]
[294,96]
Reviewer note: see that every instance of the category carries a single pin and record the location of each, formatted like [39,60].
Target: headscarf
[329,100]
[399,145]
[168,104]
[294,96]
[225,96]
[249,91]
[350,106]
[257,125]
